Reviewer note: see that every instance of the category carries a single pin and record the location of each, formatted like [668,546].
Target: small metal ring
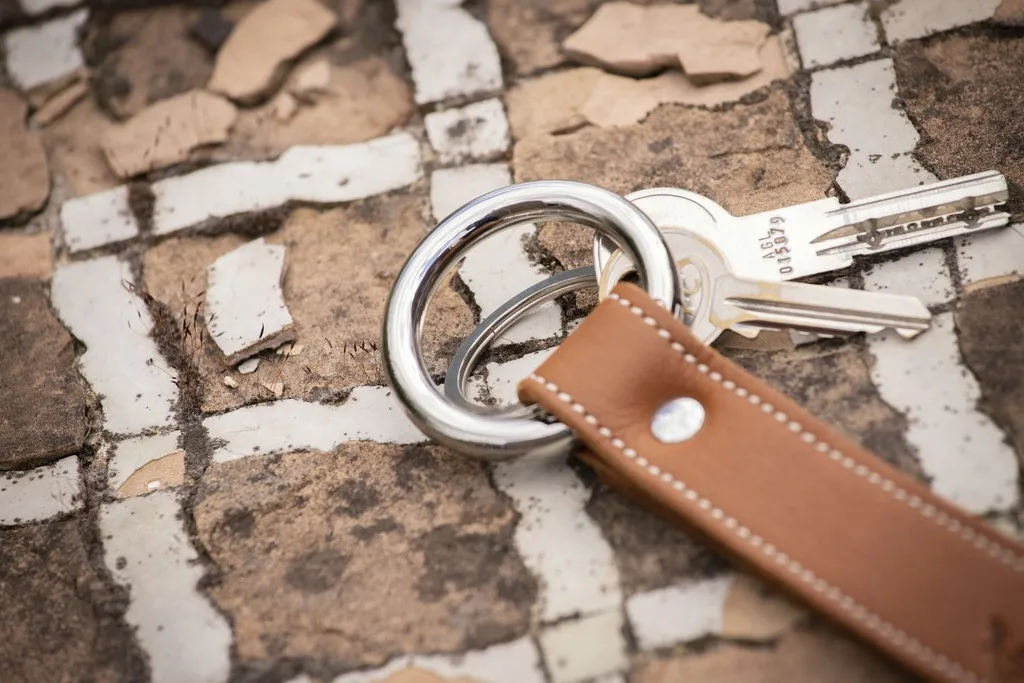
[465,359]
[485,436]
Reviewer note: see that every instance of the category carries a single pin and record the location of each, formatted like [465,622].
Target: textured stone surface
[993,349]
[40,493]
[957,91]
[155,58]
[73,145]
[341,265]
[834,34]
[42,397]
[361,554]
[822,656]
[37,55]
[24,255]
[749,158]
[24,175]
[59,618]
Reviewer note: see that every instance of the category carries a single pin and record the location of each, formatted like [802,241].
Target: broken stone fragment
[311,79]
[166,132]
[264,41]
[59,103]
[24,175]
[155,475]
[245,309]
[638,40]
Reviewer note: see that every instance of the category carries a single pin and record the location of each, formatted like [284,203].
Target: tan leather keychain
[786,495]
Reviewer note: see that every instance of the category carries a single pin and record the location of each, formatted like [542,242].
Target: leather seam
[899,638]
[980,542]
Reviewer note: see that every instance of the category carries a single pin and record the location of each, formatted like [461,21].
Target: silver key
[717,300]
[824,235]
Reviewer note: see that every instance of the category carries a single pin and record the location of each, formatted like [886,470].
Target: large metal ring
[486,436]
[491,327]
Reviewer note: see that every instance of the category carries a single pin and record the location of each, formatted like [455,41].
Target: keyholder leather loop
[788,496]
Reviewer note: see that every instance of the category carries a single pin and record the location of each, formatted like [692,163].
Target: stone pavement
[204,477]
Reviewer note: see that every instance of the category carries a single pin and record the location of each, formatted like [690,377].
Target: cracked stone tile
[40,54]
[24,175]
[835,34]
[326,174]
[137,463]
[961,451]
[156,58]
[460,61]
[834,382]
[369,413]
[640,40]
[922,274]
[42,398]
[436,569]
[993,349]
[730,606]
[121,361]
[909,19]
[165,133]
[497,268]
[335,288]
[787,7]
[820,655]
[956,90]
[24,255]
[245,308]
[514,662]
[749,158]
[147,551]
[60,620]
[98,219]
[476,132]
[73,145]
[857,104]
[585,648]
[367,95]
[989,258]
[38,494]
[264,42]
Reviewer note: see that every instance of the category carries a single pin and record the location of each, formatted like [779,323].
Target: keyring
[491,327]
[486,436]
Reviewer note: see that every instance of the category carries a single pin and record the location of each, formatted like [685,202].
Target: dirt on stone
[361,554]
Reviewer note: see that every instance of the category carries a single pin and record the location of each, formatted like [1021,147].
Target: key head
[667,207]
[699,265]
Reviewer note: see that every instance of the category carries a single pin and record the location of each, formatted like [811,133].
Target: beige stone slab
[637,40]
[24,174]
[73,144]
[361,554]
[753,611]
[59,104]
[264,42]
[366,95]
[165,133]
[341,265]
[155,475]
[24,255]
[820,656]
[1010,13]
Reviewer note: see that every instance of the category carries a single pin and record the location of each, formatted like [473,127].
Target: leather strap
[788,496]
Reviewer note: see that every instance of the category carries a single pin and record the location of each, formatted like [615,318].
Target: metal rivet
[677,420]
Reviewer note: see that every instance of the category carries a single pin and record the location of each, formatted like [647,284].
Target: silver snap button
[678,420]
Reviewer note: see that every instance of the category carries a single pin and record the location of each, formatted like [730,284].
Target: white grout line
[98,219]
[586,648]
[47,52]
[680,613]
[910,19]
[40,493]
[146,549]
[476,132]
[121,361]
[131,454]
[835,34]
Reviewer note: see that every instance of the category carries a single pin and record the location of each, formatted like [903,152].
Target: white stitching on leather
[873,622]
[1004,554]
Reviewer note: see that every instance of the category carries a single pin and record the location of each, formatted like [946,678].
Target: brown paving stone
[750,158]
[42,397]
[73,144]
[339,268]
[24,174]
[821,655]
[149,56]
[357,555]
[530,32]
[363,100]
[963,93]
[988,321]
[23,255]
[59,619]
